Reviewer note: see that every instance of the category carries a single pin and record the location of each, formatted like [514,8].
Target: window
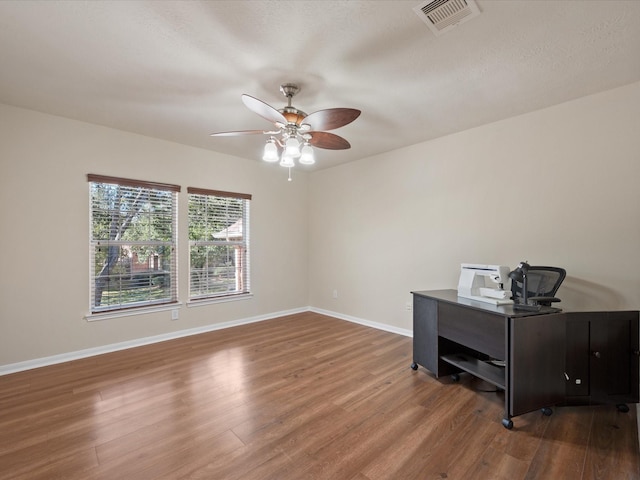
[218,244]
[132,243]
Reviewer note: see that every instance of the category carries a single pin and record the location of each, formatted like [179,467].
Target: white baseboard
[367,323]
[114,347]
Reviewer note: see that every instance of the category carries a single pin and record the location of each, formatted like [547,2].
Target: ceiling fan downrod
[293,115]
[289,90]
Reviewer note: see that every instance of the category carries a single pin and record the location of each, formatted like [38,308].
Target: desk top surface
[451,296]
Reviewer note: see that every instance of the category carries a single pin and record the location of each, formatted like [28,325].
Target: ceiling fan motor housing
[293,115]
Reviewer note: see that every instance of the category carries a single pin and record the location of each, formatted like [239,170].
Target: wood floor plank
[612,453]
[496,465]
[61,466]
[563,452]
[360,444]
[301,397]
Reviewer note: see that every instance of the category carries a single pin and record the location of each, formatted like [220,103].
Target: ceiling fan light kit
[271,151]
[306,155]
[296,132]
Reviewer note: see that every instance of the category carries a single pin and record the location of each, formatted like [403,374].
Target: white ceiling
[176,69]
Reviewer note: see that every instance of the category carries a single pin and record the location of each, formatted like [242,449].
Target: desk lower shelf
[487,372]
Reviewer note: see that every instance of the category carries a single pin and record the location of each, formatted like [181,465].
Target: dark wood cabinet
[602,357]
[425,334]
[536,363]
[549,358]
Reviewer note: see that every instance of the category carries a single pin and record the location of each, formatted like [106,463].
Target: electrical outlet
[335,293]
[409,306]
[175,314]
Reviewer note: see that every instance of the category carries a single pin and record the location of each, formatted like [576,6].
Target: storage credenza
[539,359]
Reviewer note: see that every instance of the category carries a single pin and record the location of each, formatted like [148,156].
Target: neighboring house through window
[132,243]
[218,244]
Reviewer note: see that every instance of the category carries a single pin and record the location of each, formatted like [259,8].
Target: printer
[485,283]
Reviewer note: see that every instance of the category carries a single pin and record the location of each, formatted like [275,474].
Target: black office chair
[534,288]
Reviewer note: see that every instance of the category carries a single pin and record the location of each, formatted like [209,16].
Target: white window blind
[132,243]
[219,263]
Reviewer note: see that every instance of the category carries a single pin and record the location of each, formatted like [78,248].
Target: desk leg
[506,421]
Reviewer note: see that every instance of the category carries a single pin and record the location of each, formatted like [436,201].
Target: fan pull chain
[289,174]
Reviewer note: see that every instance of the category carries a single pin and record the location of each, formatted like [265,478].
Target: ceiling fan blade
[240,132]
[328,141]
[265,111]
[331,118]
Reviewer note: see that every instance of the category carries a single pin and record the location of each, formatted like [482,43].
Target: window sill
[94,317]
[209,301]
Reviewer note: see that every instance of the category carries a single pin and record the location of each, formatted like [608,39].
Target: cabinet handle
[596,354]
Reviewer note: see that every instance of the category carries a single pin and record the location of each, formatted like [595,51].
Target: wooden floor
[300,397]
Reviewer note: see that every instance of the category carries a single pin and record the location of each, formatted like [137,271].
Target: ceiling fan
[296,132]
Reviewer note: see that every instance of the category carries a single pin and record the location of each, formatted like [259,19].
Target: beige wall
[373,230]
[558,186]
[44,215]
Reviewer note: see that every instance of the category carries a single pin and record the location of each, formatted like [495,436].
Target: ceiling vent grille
[443,15]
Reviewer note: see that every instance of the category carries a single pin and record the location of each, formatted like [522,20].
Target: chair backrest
[541,282]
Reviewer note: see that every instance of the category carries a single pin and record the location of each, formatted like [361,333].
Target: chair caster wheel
[455,377]
[506,423]
[546,411]
[414,366]
[622,407]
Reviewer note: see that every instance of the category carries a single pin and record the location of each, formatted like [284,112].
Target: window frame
[242,250]
[167,268]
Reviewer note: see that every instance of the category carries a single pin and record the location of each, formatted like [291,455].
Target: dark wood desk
[452,334]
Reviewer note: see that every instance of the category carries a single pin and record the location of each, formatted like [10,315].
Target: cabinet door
[614,357]
[578,358]
[425,333]
[536,362]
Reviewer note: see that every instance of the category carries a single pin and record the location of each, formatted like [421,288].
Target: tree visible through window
[132,244]
[218,243]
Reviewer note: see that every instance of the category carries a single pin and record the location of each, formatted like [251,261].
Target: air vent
[443,15]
